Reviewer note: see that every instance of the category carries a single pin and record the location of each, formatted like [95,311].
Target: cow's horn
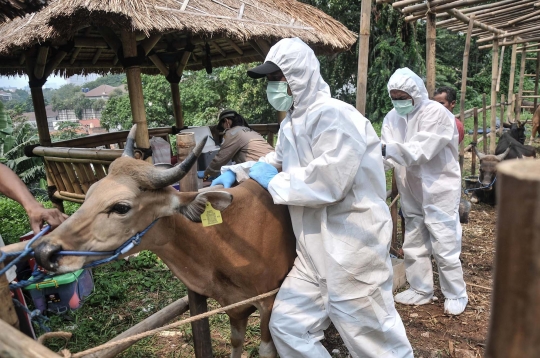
[479,154]
[163,178]
[130,143]
[501,156]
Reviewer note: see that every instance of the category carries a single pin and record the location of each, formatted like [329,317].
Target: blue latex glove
[262,173]
[226,179]
[200,174]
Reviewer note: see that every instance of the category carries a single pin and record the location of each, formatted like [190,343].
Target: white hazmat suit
[333,180]
[422,148]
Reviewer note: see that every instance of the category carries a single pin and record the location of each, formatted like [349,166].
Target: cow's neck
[185,251]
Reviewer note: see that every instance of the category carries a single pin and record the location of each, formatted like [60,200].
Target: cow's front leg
[238,332]
[267,349]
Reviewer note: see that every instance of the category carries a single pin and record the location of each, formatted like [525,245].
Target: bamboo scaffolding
[494,74]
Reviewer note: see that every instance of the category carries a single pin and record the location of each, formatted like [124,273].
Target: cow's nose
[46,255]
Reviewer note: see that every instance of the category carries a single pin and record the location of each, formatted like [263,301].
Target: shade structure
[218,32]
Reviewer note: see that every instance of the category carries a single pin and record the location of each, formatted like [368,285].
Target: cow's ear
[193,209]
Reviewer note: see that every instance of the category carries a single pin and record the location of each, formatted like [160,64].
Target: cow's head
[488,166]
[132,195]
[517,130]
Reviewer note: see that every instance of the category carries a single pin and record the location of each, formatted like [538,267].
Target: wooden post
[135,91]
[431,34]
[484,124]
[7,310]
[177,105]
[521,79]
[16,344]
[185,142]
[475,139]
[494,74]
[501,60]
[510,109]
[514,329]
[503,98]
[41,115]
[464,87]
[363,54]
[394,211]
[536,78]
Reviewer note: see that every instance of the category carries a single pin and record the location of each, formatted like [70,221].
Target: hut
[155,37]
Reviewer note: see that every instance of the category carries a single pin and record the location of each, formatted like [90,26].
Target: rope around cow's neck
[467,191]
[136,337]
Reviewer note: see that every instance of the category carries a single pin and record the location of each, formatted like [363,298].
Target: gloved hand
[262,173]
[226,179]
[200,174]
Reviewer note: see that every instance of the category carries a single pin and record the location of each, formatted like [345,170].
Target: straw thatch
[10,9]
[235,31]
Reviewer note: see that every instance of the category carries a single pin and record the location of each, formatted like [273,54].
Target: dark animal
[516,130]
[517,149]
[486,179]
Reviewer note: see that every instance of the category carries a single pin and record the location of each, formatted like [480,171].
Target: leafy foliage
[68,130]
[111,80]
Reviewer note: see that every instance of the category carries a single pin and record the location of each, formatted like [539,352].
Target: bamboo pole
[494,73]
[536,79]
[514,329]
[501,61]
[156,320]
[502,113]
[363,55]
[185,142]
[177,105]
[431,34]
[41,115]
[520,89]
[475,138]
[136,98]
[484,124]
[464,86]
[15,344]
[510,109]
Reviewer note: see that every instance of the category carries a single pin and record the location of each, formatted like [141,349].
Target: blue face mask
[276,91]
[403,107]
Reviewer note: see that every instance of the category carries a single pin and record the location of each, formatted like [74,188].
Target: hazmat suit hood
[407,81]
[301,68]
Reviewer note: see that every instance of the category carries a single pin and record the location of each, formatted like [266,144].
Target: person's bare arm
[12,187]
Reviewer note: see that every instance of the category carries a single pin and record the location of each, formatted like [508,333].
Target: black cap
[227,113]
[262,70]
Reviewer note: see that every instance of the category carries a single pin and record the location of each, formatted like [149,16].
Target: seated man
[447,97]
[240,143]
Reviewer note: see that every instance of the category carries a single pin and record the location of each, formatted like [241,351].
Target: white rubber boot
[411,297]
[455,306]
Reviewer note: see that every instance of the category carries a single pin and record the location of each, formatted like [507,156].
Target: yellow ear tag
[211,216]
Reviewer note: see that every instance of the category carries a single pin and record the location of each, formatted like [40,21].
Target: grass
[125,293]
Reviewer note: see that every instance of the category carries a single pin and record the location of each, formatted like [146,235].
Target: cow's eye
[120,209]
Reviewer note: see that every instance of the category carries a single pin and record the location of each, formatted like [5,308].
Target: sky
[22,81]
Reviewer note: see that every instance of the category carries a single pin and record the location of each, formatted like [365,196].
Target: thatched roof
[506,18]
[10,9]
[235,31]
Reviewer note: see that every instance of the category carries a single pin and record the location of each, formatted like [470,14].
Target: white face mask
[276,91]
[403,107]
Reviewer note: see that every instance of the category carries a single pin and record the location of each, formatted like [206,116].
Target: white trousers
[302,311]
[443,241]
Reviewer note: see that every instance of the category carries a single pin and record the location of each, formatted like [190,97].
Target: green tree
[67,130]
[117,113]
[111,80]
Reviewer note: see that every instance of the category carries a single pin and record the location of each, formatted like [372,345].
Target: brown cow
[249,254]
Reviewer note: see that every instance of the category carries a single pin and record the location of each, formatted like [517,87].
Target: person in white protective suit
[420,141]
[332,178]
